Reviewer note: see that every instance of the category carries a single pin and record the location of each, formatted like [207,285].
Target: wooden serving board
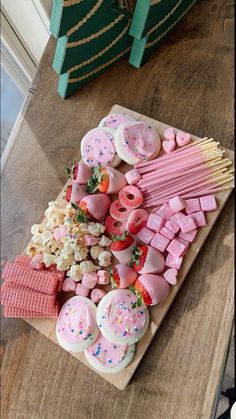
[157,313]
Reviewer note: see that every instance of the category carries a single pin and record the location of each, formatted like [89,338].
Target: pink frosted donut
[98,148]
[119,212]
[115,227]
[114,120]
[137,220]
[130,197]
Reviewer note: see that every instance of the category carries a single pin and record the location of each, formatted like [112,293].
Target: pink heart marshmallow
[169,134]
[168,145]
[182,138]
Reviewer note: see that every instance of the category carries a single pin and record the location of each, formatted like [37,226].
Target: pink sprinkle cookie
[186,223]
[132,177]
[114,120]
[118,320]
[145,235]
[189,237]
[115,227]
[98,148]
[199,218]
[165,211]
[119,212]
[174,261]
[171,276]
[177,203]
[103,277]
[108,357]
[176,248]
[192,205]
[137,142]
[155,222]
[208,203]
[168,146]
[97,294]
[182,138]
[169,134]
[82,290]
[68,285]
[90,240]
[130,197]
[89,280]
[167,233]
[137,220]
[76,327]
[160,242]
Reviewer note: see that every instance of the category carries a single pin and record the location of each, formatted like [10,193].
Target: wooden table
[188,83]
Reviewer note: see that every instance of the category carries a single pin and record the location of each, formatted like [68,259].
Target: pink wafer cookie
[27,300]
[30,278]
[22,313]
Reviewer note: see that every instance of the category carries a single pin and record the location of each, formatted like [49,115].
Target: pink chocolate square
[167,233]
[177,203]
[185,243]
[160,242]
[165,211]
[192,205]
[174,222]
[176,248]
[189,237]
[199,218]
[155,222]
[145,235]
[173,261]
[186,223]
[208,203]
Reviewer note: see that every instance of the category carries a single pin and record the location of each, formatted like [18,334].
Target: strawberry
[72,171]
[150,289]
[82,215]
[122,276]
[106,180]
[142,295]
[79,172]
[68,193]
[139,257]
[121,242]
[115,279]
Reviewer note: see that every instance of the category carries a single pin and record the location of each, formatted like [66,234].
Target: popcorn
[37,229]
[104,258]
[46,236]
[104,241]
[80,253]
[37,239]
[52,245]
[48,259]
[75,273]
[31,250]
[68,248]
[96,229]
[64,262]
[95,251]
[87,266]
[84,228]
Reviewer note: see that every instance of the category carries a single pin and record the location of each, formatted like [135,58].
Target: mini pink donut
[115,227]
[119,212]
[137,220]
[130,197]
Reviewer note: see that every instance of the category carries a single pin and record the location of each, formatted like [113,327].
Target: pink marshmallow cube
[160,242]
[145,235]
[171,276]
[165,211]
[90,240]
[174,222]
[173,261]
[97,294]
[208,203]
[185,243]
[167,233]
[186,223]
[155,222]
[189,237]
[89,280]
[177,203]
[199,218]
[103,277]
[192,205]
[176,248]
[68,285]
[132,177]
[169,226]
[82,290]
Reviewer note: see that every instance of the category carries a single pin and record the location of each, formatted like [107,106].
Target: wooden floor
[187,83]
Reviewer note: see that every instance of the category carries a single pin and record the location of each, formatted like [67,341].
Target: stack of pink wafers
[30,293]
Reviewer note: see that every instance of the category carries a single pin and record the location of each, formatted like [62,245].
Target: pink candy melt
[98,148]
[76,321]
[208,203]
[121,318]
[140,140]
[145,235]
[108,354]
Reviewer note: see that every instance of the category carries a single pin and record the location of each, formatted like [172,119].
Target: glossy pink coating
[117,180]
[132,177]
[130,197]
[137,220]
[77,193]
[192,205]
[171,276]
[83,173]
[176,248]
[97,294]
[145,235]
[160,242]
[89,280]
[154,262]
[155,222]
[208,203]
[97,204]
[68,285]
[156,286]
[177,203]
[127,275]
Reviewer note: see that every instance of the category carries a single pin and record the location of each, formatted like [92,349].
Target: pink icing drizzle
[107,353]
[76,321]
[114,120]
[98,148]
[140,140]
[121,318]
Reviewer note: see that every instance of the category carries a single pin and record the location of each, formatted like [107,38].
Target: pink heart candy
[169,134]
[171,276]
[182,138]
[168,146]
